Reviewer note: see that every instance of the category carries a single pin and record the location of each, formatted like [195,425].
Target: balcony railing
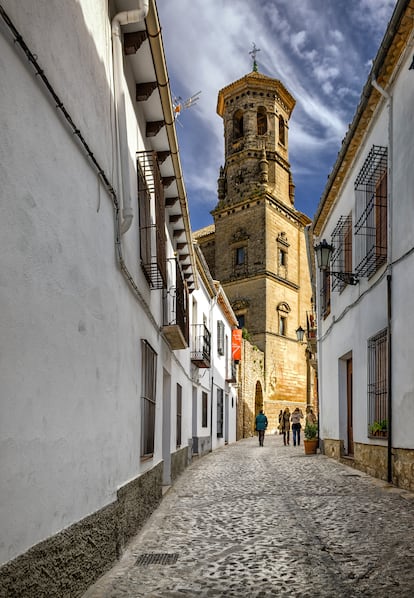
[175,328]
[231,375]
[201,346]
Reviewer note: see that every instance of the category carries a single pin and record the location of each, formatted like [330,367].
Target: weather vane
[253,53]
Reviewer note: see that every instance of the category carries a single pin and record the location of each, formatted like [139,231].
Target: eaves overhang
[393,45]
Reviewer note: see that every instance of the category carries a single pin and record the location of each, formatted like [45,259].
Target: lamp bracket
[346,277]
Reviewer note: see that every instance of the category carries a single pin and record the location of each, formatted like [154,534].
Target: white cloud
[319,49]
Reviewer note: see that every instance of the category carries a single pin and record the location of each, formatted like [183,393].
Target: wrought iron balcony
[200,346]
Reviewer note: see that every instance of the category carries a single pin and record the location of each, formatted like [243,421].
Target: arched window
[282,130]
[261,121]
[283,311]
[238,125]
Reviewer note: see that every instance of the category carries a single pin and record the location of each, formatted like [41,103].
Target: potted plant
[379,428]
[311,438]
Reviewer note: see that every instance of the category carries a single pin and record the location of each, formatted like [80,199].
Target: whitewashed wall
[70,328]
[360,312]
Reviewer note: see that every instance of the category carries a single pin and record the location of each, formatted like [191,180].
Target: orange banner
[236,343]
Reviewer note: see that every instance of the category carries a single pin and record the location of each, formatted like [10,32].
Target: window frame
[148,398]
[179,415]
[377,388]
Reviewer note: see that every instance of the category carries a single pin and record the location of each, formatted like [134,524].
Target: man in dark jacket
[261,425]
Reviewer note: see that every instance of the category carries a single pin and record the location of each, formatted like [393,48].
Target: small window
[282,257]
[238,130]
[282,130]
[241,320]
[261,121]
[220,337]
[240,256]
[282,325]
[283,311]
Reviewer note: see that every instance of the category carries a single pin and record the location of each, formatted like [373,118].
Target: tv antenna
[179,104]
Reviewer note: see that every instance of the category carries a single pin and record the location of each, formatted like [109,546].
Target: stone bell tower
[257,248]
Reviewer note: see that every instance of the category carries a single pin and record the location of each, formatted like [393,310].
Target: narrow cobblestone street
[270,521]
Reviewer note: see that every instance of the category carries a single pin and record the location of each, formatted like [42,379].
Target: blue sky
[321,50]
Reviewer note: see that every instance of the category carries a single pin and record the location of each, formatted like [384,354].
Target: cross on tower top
[253,53]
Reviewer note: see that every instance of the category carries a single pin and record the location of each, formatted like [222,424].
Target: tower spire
[253,53]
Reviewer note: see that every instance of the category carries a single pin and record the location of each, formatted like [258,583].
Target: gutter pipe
[124,179]
[158,55]
[388,98]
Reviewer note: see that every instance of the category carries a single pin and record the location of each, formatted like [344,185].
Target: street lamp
[323,253]
[299,334]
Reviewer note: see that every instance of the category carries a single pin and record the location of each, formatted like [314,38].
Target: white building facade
[365,344]
[213,369]
[97,270]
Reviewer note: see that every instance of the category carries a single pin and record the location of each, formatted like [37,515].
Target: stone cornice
[255,81]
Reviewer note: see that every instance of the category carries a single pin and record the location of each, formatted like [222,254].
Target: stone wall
[250,373]
[180,460]
[65,565]
[373,460]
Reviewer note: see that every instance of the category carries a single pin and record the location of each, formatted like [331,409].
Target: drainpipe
[122,157]
[388,97]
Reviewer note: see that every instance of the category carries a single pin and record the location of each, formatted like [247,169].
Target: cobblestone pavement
[250,521]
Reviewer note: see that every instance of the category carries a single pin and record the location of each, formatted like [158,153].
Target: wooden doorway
[349,401]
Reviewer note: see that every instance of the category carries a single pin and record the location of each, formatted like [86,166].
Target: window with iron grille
[148,398]
[378,385]
[179,414]
[342,251]
[204,409]
[220,412]
[371,213]
[220,337]
[175,307]
[151,224]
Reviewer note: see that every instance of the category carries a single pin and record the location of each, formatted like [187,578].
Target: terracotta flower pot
[311,446]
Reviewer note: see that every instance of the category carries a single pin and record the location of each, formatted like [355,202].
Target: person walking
[297,415]
[261,425]
[310,416]
[285,425]
[280,421]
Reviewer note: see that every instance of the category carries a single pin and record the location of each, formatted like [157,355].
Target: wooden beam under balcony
[133,41]
[175,218]
[167,180]
[170,201]
[144,90]
[154,127]
[162,156]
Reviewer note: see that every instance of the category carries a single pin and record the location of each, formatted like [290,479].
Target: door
[349,400]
